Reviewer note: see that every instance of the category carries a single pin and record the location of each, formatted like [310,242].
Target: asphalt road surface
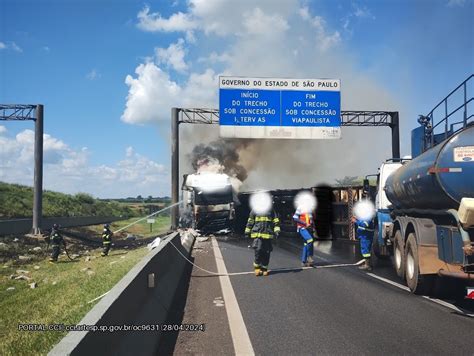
[331,311]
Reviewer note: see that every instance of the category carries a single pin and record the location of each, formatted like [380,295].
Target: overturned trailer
[283,203]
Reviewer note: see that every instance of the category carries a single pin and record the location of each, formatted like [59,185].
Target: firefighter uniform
[56,240]
[106,240]
[365,233]
[262,228]
[304,226]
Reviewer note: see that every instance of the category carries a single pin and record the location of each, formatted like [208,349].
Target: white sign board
[150,221]
[464,154]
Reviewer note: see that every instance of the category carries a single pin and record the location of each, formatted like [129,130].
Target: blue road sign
[279,108]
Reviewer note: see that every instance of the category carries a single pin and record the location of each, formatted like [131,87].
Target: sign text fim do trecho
[279,108]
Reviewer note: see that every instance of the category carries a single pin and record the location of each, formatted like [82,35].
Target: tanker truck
[425,205]
[208,202]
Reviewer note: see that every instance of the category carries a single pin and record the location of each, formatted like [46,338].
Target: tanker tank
[438,178]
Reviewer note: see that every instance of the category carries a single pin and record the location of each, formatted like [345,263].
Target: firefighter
[262,227]
[56,240]
[106,240]
[304,226]
[365,233]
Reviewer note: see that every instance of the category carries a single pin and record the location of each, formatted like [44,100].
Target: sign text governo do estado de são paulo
[279,108]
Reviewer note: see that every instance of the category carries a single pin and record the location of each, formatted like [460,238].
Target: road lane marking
[434,300]
[398,285]
[449,305]
[238,330]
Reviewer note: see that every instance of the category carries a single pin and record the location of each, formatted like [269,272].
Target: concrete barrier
[23,226]
[142,298]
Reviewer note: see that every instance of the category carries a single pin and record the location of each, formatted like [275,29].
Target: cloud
[324,40]
[15,47]
[152,93]
[69,170]
[218,17]
[46,48]
[173,56]
[93,75]
[362,11]
[10,46]
[257,22]
[359,12]
[3,129]
[214,58]
[153,22]
[266,39]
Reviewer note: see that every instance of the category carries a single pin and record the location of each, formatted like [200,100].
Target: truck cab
[208,202]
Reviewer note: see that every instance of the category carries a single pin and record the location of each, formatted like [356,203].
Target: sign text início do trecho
[279,108]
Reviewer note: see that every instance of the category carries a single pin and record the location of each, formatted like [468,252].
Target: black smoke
[225,152]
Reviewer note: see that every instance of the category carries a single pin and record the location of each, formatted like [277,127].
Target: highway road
[325,310]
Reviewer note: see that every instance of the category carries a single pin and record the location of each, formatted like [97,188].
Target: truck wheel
[418,283]
[399,254]
[375,242]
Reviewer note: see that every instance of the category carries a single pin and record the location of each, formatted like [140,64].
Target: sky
[109,71]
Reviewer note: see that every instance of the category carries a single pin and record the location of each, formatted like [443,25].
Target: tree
[348,181]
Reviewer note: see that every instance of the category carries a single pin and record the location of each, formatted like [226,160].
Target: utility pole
[38,177]
[174,166]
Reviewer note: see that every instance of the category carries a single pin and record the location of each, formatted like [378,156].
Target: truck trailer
[208,202]
[425,205]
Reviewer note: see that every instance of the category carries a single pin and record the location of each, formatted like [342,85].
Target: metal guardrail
[450,128]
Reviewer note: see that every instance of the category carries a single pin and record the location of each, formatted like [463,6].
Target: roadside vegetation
[34,291]
[16,201]
[141,229]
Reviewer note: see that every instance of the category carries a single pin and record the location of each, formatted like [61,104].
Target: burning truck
[208,200]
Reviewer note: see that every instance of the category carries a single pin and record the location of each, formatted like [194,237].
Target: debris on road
[154,243]
[130,237]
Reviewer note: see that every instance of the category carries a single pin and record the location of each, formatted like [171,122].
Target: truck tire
[375,242]
[418,283]
[399,254]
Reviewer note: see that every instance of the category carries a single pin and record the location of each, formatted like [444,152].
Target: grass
[162,224]
[60,298]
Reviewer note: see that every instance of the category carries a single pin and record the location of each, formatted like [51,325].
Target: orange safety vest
[306,217]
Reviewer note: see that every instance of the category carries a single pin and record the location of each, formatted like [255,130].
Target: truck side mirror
[366,186]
